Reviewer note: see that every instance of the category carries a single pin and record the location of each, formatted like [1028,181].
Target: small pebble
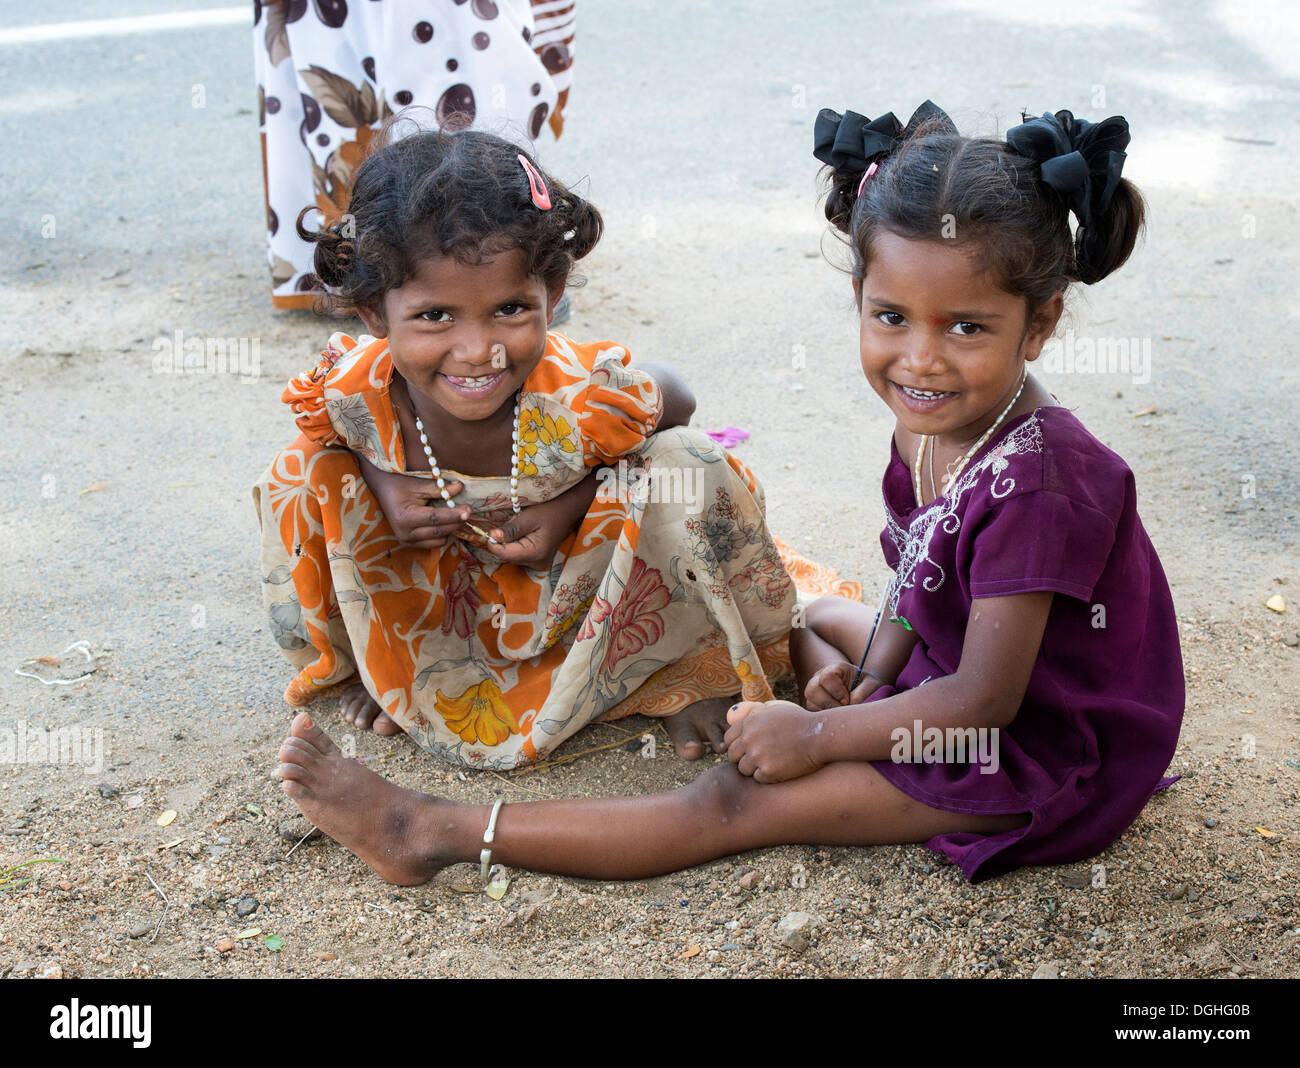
[1211,823]
[140,930]
[246,907]
[792,931]
[107,790]
[225,945]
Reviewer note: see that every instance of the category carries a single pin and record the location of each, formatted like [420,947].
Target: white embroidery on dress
[913,543]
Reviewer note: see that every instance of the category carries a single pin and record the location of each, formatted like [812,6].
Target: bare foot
[396,832]
[360,709]
[704,722]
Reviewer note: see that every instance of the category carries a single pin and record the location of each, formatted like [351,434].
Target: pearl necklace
[514,459]
[950,478]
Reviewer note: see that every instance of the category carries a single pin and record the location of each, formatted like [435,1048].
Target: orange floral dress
[671,589]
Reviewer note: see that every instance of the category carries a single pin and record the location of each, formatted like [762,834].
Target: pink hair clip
[869,172]
[535,185]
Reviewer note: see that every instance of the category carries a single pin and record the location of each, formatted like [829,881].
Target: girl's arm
[408,504]
[890,650]
[779,740]
[998,654]
[529,539]
[679,401]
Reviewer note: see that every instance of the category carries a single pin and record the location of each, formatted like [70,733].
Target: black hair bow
[1081,160]
[853,140]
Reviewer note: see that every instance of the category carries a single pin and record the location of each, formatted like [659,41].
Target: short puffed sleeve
[1042,540]
[619,408]
[305,393]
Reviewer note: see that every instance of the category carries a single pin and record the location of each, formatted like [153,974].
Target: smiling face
[465,336]
[941,343]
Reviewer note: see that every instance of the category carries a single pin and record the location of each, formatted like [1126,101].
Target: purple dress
[1042,506]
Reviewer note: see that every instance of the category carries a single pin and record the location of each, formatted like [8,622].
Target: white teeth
[923,394]
[473,381]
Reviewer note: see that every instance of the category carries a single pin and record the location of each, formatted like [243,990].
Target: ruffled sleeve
[619,408]
[305,393]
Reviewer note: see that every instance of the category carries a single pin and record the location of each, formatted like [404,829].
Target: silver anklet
[485,857]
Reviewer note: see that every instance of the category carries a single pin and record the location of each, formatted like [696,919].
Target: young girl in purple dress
[1020,699]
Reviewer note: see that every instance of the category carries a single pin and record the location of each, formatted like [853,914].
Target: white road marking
[178,20]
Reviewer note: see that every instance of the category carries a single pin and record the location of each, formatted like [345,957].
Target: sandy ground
[127,522]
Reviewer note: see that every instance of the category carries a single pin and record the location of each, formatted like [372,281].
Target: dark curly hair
[983,197]
[461,194]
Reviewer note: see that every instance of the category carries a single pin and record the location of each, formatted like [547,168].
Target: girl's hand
[829,687]
[532,538]
[414,507]
[772,740]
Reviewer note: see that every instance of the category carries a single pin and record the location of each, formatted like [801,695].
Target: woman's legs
[406,837]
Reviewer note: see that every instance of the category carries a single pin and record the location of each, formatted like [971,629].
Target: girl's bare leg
[406,837]
[835,629]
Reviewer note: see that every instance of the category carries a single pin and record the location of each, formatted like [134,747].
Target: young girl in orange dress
[489,536]
[1021,700]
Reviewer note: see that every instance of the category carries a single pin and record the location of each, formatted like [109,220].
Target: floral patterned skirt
[670,591]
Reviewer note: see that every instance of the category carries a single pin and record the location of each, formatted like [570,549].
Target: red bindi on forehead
[937,320]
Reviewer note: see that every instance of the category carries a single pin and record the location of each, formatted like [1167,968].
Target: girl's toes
[295,791]
[291,772]
[384,725]
[716,730]
[304,728]
[685,737]
[298,751]
[740,710]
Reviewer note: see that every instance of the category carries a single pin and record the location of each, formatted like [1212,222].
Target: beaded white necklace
[951,477]
[514,458]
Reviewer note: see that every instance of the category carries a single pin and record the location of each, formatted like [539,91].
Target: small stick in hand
[480,530]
